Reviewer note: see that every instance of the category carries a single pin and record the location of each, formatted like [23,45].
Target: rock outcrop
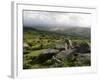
[45,56]
[61,52]
[82,47]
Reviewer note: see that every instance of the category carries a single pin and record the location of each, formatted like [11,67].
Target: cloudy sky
[58,19]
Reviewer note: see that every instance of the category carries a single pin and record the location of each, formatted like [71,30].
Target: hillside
[69,31]
[45,48]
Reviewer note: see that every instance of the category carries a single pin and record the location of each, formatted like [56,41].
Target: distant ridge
[71,31]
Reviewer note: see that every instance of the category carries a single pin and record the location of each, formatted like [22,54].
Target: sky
[56,19]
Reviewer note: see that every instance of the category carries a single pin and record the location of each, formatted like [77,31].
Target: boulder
[68,44]
[83,47]
[43,57]
[60,47]
[25,45]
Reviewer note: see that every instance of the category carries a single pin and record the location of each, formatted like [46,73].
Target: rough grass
[36,52]
[42,41]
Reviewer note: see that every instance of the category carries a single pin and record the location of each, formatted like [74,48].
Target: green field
[36,42]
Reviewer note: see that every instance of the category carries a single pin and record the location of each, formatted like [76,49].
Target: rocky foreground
[67,54]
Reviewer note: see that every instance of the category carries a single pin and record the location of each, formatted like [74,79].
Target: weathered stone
[68,44]
[84,48]
[43,57]
[60,47]
[25,45]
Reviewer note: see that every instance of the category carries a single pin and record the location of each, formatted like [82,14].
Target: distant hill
[80,31]
[71,31]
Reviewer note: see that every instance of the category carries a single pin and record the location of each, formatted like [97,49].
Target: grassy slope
[47,40]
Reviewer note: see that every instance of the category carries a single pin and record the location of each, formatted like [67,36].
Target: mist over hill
[71,31]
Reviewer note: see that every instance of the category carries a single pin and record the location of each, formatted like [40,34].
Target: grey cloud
[52,19]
